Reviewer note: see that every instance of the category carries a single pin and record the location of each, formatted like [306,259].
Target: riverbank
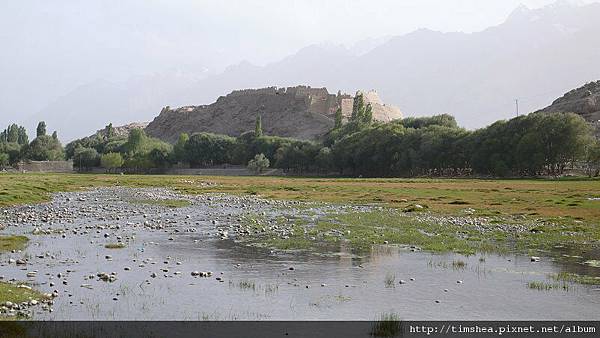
[470,222]
[151,253]
[465,215]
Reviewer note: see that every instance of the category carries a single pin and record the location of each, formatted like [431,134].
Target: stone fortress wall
[319,100]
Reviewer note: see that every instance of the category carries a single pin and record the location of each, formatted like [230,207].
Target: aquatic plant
[8,243]
[545,286]
[458,265]
[575,278]
[390,280]
[387,325]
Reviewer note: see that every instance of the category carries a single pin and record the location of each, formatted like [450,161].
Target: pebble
[102,224]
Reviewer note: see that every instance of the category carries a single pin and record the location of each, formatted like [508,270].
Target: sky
[52,47]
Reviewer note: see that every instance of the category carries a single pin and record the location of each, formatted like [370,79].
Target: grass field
[565,211]
[542,198]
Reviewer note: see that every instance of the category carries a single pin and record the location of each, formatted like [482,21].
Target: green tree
[10,134]
[14,134]
[115,145]
[23,137]
[136,141]
[422,122]
[208,149]
[111,161]
[139,162]
[324,159]
[4,159]
[41,129]
[13,150]
[564,137]
[85,157]
[45,148]
[258,132]
[338,119]
[368,114]
[109,131]
[358,108]
[179,148]
[592,158]
[159,157]
[259,163]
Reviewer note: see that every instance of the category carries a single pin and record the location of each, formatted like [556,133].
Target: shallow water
[257,283]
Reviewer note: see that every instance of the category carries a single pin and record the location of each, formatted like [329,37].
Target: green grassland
[9,243]
[537,197]
[12,293]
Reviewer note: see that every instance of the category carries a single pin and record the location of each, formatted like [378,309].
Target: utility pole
[517,106]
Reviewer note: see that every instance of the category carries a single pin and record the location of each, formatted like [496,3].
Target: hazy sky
[221,32]
[51,47]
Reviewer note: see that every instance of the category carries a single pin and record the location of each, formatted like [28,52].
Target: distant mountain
[92,106]
[534,56]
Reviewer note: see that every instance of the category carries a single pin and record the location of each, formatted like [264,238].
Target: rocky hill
[123,131]
[301,112]
[584,101]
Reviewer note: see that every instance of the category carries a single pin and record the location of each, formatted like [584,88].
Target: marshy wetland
[111,247]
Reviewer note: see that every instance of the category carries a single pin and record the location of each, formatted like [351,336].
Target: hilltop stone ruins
[300,112]
[122,131]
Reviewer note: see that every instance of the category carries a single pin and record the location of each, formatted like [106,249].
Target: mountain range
[531,58]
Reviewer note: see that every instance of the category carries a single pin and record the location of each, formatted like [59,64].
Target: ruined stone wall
[347,105]
[259,91]
[306,91]
[372,97]
[318,100]
[325,105]
[46,166]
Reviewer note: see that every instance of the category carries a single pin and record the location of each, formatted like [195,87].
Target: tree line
[537,144]
[15,145]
